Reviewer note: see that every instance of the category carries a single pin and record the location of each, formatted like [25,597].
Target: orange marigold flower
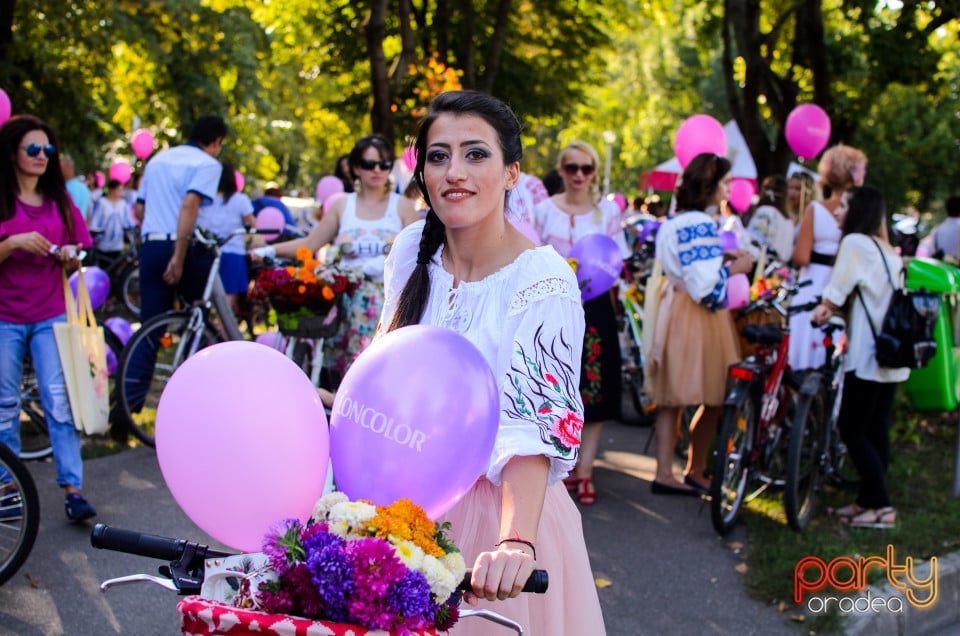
[327,293]
[304,253]
[292,271]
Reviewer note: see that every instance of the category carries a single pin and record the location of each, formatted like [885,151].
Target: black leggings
[866,412]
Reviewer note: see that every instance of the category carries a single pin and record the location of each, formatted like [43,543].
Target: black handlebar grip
[536,584]
[139,543]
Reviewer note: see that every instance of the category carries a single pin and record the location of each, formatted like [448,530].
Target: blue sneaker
[11,507]
[78,509]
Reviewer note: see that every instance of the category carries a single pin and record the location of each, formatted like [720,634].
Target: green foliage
[293,78]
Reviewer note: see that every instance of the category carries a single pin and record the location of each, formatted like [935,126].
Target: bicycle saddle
[762,334]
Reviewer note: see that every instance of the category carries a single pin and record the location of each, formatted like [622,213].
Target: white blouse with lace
[527,321]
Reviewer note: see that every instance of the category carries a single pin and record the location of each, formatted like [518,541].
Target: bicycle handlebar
[148,545]
[154,546]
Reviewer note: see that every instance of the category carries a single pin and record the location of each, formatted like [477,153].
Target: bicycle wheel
[19,513]
[804,461]
[731,464]
[151,356]
[130,290]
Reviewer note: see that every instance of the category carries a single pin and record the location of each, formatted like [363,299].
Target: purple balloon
[415,417]
[599,263]
[111,361]
[120,327]
[649,231]
[98,284]
[728,240]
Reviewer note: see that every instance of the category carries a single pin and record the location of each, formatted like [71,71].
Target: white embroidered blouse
[688,246]
[527,320]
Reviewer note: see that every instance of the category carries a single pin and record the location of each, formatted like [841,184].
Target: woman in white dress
[818,239]
[465,267]
[361,227]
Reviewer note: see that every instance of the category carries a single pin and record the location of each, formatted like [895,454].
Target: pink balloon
[741,193]
[272,339]
[238,176]
[121,171]
[330,200]
[699,134]
[599,264]
[619,199]
[526,229]
[327,186]
[416,416]
[922,251]
[265,451]
[728,240]
[5,107]
[98,284]
[101,179]
[807,130]
[738,291]
[270,218]
[120,327]
[410,157]
[143,143]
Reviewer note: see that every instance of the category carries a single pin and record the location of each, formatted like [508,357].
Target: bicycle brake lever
[493,617]
[137,578]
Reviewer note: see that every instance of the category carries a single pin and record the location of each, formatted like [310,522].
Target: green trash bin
[936,386]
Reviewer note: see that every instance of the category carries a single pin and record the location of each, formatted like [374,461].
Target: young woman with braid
[466,268]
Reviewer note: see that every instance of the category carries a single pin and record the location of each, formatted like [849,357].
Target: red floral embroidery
[567,429]
[590,381]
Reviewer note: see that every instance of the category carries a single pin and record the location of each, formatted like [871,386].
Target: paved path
[669,572]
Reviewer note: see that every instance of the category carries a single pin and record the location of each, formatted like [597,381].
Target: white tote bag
[84,360]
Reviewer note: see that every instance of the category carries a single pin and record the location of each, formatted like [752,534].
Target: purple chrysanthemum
[410,598]
[332,575]
[282,546]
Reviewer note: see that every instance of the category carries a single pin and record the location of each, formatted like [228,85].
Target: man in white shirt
[946,236]
[176,183]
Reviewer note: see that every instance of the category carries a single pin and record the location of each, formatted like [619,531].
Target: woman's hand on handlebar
[821,313]
[500,574]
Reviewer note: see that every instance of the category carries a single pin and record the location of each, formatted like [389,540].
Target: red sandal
[586,494]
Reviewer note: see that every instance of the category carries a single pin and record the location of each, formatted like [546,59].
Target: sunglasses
[572,169]
[367,164]
[33,150]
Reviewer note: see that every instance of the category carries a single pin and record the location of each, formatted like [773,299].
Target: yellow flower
[574,264]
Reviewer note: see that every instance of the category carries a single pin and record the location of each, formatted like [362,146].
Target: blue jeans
[64,437]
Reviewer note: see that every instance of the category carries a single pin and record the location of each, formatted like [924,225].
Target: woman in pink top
[41,232]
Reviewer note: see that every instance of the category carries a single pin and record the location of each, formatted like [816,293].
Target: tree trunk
[470,51]
[441,26]
[497,42]
[408,49]
[381,114]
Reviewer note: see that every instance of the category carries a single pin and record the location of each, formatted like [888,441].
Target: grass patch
[920,480]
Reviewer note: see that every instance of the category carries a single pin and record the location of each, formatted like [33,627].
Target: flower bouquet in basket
[352,567]
[308,298]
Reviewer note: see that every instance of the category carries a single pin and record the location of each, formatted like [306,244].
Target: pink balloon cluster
[5,107]
[807,130]
[741,193]
[328,185]
[267,448]
[121,171]
[143,143]
[270,218]
[697,135]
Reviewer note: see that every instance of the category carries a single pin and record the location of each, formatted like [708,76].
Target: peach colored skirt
[693,347]
[571,605]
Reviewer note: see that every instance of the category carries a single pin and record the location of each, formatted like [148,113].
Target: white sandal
[880,518]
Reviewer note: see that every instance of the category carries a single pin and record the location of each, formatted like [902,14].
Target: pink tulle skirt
[571,605]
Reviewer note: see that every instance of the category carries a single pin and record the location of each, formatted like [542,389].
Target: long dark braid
[416,292]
